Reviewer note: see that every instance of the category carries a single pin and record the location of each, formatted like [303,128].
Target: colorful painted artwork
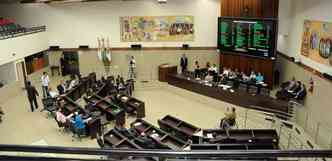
[317,41]
[157,28]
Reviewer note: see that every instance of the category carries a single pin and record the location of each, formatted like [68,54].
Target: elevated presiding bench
[233,96]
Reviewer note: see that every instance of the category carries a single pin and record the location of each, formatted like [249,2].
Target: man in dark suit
[32,95]
[61,88]
[183,63]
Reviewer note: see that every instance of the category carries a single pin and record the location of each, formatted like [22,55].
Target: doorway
[21,73]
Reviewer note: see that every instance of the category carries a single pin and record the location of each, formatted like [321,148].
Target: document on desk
[209,135]
[137,124]
[199,133]
[124,98]
[155,136]
[187,148]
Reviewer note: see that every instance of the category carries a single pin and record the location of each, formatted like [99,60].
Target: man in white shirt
[214,69]
[226,72]
[45,83]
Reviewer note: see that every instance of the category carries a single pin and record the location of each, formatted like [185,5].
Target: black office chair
[265,92]
[78,133]
[50,106]
[242,87]
[253,90]
[230,83]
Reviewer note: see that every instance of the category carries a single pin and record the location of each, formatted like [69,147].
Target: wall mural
[317,41]
[157,28]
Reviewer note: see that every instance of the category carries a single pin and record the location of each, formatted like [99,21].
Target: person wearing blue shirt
[259,78]
[78,122]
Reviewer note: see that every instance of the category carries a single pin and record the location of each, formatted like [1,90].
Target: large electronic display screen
[252,37]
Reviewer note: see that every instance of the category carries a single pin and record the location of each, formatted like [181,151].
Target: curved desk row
[236,96]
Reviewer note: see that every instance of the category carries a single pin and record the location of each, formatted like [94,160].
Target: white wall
[7,73]
[74,24]
[285,14]
[20,47]
[292,25]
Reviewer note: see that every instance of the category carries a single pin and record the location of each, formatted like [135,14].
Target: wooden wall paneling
[257,8]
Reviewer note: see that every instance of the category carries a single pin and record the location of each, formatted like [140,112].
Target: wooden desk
[131,102]
[115,139]
[165,70]
[239,98]
[159,136]
[70,106]
[181,129]
[112,111]
[239,136]
[93,127]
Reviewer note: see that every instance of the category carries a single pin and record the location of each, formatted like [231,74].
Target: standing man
[32,95]
[45,82]
[132,68]
[184,63]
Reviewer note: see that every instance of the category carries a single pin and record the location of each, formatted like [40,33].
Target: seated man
[252,76]
[73,82]
[301,93]
[232,75]
[292,92]
[229,120]
[61,87]
[289,85]
[213,69]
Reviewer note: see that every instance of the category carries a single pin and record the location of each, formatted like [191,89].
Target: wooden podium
[165,70]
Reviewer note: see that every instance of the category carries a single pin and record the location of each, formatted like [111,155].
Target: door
[21,73]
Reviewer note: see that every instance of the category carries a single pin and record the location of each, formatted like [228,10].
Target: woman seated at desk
[245,77]
[209,77]
[259,78]
[62,119]
[225,72]
[229,120]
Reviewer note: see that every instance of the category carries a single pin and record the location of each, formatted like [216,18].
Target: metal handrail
[170,153]
[27,31]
